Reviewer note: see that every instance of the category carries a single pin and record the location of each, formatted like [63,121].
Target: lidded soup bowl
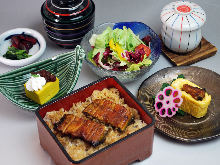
[181,26]
[67,21]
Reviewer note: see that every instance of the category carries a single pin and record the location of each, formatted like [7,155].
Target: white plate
[36,51]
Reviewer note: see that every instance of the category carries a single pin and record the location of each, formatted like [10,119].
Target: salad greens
[119,49]
[145,62]
[16,54]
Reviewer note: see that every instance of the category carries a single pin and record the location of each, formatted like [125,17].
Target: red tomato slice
[146,49]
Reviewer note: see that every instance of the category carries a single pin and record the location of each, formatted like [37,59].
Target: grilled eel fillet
[195,92]
[85,129]
[108,112]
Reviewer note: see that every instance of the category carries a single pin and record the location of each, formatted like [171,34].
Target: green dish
[65,66]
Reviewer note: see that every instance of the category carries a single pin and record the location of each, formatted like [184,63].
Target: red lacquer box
[134,147]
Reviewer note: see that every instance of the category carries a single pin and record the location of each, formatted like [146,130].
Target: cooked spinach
[16,54]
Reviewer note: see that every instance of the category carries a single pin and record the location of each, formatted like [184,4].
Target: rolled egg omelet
[197,108]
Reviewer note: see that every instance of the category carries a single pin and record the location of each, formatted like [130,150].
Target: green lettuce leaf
[103,39]
[134,67]
[126,38]
[90,54]
[133,41]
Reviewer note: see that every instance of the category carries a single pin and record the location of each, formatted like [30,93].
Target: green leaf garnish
[164,85]
[181,76]
[35,75]
[16,54]
[180,112]
[153,97]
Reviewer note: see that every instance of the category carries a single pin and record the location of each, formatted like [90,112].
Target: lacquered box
[134,147]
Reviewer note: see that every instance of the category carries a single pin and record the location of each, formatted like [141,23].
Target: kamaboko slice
[168,101]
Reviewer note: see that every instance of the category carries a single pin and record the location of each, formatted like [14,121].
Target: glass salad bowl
[140,29]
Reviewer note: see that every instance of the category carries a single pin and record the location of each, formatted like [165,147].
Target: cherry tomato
[146,49]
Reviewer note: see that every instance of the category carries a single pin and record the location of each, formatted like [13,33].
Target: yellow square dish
[49,90]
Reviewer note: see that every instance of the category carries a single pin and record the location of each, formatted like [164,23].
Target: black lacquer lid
[67,11]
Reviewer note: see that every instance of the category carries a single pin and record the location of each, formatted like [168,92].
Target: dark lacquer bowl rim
[77,21]
[107,147]
[66,10]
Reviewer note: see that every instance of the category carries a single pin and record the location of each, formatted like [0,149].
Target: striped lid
[67,11]
[183,16]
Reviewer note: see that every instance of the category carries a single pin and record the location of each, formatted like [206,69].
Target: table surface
[19,142]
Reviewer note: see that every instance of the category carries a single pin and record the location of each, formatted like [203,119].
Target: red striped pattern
[198,17]
[167,13]
[67,14]
[181,31]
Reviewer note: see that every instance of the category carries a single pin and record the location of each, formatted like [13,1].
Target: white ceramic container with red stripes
[182,22]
